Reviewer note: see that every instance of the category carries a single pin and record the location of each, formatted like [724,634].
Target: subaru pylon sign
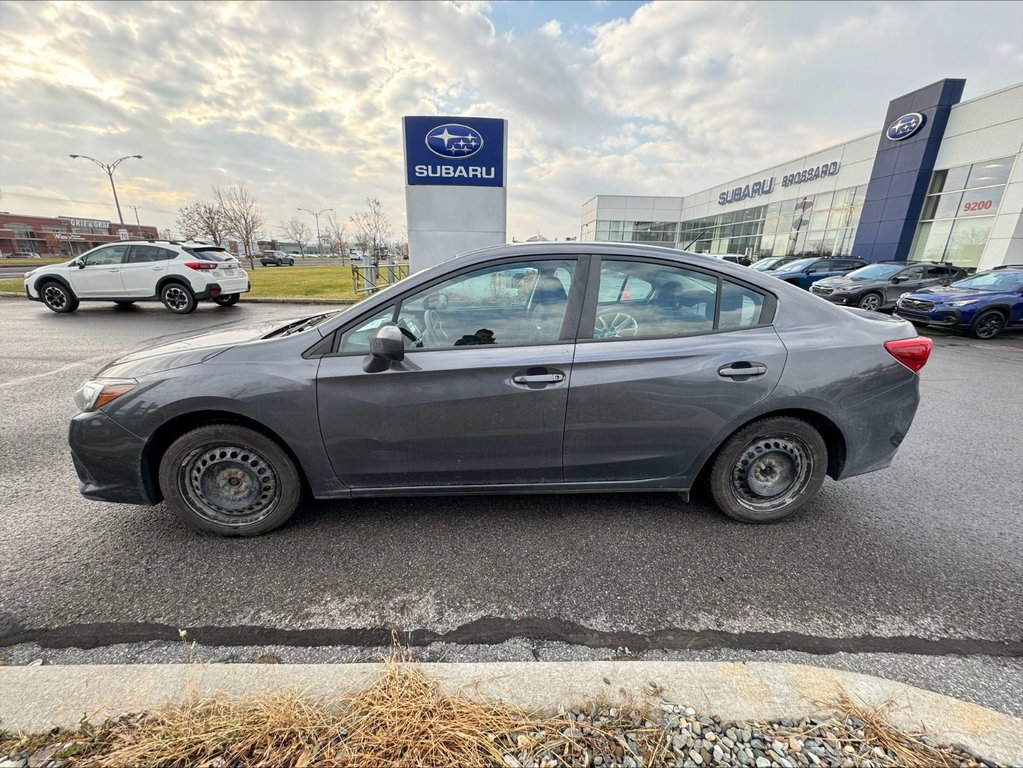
[455,151]
[456,198]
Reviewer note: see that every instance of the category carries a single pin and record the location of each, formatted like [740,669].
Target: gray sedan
[540,368]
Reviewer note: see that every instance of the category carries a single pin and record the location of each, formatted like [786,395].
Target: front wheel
[227,299]
[58,297]
[230,480]
[870,301]
[178,298]
[768,470]
[988,324]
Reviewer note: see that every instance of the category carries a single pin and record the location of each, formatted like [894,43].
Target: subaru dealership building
[941,181]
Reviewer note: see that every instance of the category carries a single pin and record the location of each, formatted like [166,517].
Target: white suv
[178,274]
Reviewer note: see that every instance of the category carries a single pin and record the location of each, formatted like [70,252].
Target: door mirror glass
[386,346]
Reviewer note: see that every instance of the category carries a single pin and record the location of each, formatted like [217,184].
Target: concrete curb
[34,699]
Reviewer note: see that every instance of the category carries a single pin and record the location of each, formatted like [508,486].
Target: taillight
[201,266]
[912,353]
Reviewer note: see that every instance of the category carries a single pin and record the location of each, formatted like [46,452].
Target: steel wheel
[870,301]
[988,325]
[230,480]
[229,484]
[769,469]
[615,325]
[177,298]
[770,472]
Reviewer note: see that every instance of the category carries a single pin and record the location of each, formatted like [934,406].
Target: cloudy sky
[303,101]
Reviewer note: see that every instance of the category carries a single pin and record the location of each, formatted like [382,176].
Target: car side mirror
[80,263]
[897,279]
[386,346]
[809,271]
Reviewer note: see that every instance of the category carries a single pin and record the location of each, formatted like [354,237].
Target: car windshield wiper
[300,325]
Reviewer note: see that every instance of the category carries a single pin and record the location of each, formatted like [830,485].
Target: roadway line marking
[69,366]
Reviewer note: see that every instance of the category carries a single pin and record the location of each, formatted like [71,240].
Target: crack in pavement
[494,630]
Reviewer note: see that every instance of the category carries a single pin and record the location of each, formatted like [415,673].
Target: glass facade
[634,232]
[811,225]
[960,211]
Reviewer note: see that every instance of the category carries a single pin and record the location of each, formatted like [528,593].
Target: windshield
[799,264]
[876,271]
[1009,280]
[764,264]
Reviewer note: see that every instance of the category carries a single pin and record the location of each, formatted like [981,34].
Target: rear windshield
[211,254]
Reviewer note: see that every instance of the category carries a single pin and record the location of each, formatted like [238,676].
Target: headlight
[96,393]
[961,303]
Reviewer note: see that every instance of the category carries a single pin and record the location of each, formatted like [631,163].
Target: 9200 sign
[979,205]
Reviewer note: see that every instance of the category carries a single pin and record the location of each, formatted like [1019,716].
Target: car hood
[179,352]
[950,293]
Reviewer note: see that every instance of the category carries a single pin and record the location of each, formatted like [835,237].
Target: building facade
[941,181]
[63,236]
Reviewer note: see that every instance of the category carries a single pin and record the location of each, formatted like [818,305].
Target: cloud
[303,101]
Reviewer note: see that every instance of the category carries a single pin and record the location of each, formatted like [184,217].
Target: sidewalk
[35,699]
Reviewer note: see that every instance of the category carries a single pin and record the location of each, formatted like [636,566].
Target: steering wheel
[411,332]
[435,325]
[615,325]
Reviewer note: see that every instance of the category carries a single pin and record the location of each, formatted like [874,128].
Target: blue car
[806,272]
[985,304]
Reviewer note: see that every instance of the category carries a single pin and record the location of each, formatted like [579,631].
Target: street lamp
[109,169]
[319,251]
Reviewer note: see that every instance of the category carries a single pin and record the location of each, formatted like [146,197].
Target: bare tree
[54,243]
[243,217]
[372,229]
[297,231]
[202,218]
[336,236]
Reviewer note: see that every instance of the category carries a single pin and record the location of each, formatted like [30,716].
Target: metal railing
[369,278]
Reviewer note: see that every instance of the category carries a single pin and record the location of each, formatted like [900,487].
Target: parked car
[276,259]
[622,367]
[805,272]
[24,255]
[985,304]
[733,258]
[879,285]
[178,274]
[772,262]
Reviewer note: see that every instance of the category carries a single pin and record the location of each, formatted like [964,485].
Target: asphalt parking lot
[919,561]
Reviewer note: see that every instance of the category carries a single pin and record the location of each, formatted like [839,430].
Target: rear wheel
[230,480]
[178,298]
[768,470]
[988,324]
[58,297]
[227,299]
[871,301]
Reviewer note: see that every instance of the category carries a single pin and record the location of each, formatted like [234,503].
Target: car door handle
[115,269]
[158,269]
[538,378]
[741,370]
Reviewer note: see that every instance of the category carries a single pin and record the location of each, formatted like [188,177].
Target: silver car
[539,368]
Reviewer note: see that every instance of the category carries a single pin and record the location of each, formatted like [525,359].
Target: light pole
[319,251]
[138,226]
[109,169]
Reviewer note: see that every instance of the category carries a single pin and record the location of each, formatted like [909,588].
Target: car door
[99,275]
[480,396]
[143,267]
[906,281]
[817,271]
[655,379]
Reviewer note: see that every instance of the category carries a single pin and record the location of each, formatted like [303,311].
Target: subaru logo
[905,126]
[453,140]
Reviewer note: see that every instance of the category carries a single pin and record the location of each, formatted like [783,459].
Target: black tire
[227,299]
[178,298]
[871,301]
[230,480]
[988,324]
[768,470]
[58,297]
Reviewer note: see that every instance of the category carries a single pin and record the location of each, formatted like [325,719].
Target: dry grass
[906,748]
